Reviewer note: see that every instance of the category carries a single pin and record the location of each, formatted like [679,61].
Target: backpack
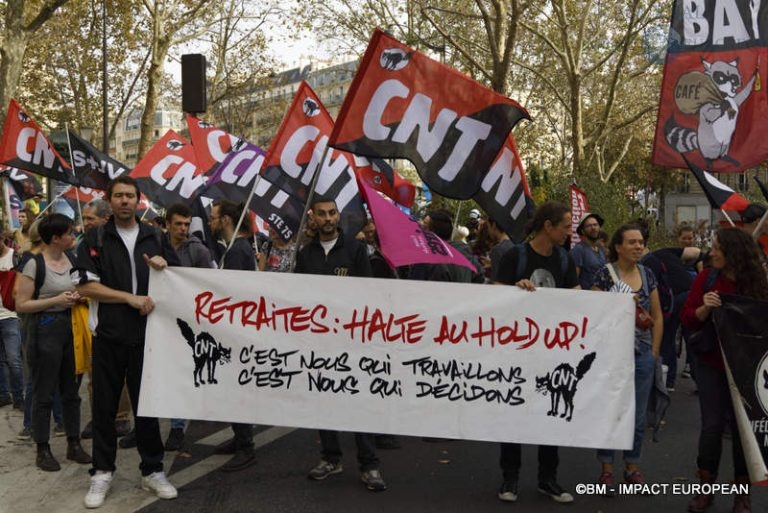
[521,254]
[40,271]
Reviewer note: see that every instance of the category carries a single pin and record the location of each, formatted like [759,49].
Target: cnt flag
[711,108]
[234,178]
[297,152]
[25,146]
[375,172]
[504,193]
[211,144]
[403,104]
[93,168]
[720,196]
[25,184]
[741,326]
[168,173]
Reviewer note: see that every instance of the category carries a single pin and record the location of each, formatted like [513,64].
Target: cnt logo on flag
[174,144]
[761,383]
[394,59]
[310,107]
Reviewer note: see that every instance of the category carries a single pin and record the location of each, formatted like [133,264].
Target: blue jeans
[10,338]
[645,367]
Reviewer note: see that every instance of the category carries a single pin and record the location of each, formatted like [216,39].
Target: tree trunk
[12,51]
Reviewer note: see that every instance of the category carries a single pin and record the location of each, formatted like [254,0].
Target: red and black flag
[712,106]
[82,195]
[719,195]
[298,151]
[94,169]
[168,173]
[742,328]
[24,184]
[380,175]
[504,193]
[402,104]
[211,144]
[234,179]
[25,146]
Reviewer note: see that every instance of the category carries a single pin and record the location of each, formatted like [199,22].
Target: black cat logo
[206,351]
[173,144]
[203,124]
[239,144]
[23,117]
[561,384]
[310,107]
[394,59]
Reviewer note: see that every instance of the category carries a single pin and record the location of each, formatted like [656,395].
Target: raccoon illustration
[718,113]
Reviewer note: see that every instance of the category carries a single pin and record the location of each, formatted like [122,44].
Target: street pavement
[443,476]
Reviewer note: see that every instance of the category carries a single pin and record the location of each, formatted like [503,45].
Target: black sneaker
[554,490]
[373,480]
[242,459]
[128,441]
[324,469]
[175,440]
[87,433]
[508,491]
[76,453]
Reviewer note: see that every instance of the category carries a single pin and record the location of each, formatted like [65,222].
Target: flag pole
[242,217]
[72,160]
[756,233]
[50,204]
[310,196]
[727,217]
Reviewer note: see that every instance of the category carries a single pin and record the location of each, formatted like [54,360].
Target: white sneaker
[100,483]
[158,483]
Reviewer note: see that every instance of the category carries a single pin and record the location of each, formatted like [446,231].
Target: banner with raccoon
[402,104]
[713,107]
[298,151]
[168,173]
[742,328]
[373,355]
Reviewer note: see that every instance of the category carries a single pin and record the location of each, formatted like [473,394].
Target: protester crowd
[72,308]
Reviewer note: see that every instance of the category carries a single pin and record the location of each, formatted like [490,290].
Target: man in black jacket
[330,252]
[112,270]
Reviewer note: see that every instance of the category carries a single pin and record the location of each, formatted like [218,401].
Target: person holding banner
[237,254]
[330,252]
[113,263]
[624,274]
[540,262]
[736,269]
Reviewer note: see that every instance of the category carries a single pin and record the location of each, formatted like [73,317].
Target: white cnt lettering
[290,155]
[417,116]
[695,25]
[228,173]
[214,140]
[502,172]
[472,131]
[330,173]
[372,127]
[183,177]
[25,134]
[43,152]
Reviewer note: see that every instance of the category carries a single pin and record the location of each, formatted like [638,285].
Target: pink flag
[403,241]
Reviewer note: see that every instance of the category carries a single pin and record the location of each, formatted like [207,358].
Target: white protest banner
[418,358]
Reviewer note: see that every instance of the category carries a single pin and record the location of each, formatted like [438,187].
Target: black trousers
[716,413]
[511,458]
[52,360]
[113,364]
[366,454]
